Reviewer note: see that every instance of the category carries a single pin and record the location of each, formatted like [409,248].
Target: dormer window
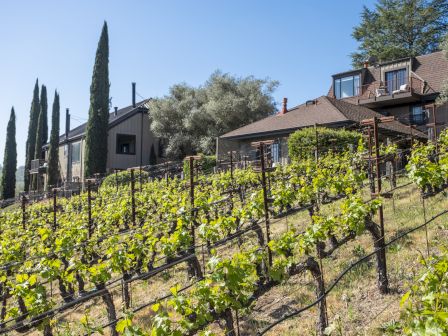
[348,86]
[395,80]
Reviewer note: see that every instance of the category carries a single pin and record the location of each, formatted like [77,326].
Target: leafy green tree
[31,139]
[97,125]
[400,28]
[8,179]
[53,152]
[443,96]
[189,119]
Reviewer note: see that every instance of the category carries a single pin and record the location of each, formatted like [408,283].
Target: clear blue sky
[160,43]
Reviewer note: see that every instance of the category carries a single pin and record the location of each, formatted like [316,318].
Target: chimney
[284,106]
[67,122]
[133,94]
[366,64]
[115,110]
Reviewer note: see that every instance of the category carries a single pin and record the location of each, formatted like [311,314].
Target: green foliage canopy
[190,119]
[53,152]
[8,178]
[32,130]
[98,123]
[302,143]
[400,28]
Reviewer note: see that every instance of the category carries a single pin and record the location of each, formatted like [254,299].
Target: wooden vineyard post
[231,163]
[319,274]
[23,211]
[411,127]
[426,226]
[54,208]
[166,173]
[195,267]
[261,146]
[370,168]
[116,178]
[140,178]
[191,167]
[316,134]
[433,125]
[383,282]
[89,207]
[133,196]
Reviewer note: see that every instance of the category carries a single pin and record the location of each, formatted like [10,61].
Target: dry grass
[355,306]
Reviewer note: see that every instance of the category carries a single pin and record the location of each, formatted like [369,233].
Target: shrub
[123,178]
[205,164]
[302,143]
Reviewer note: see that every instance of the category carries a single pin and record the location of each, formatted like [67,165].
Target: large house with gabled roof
[129,142]
[406,89]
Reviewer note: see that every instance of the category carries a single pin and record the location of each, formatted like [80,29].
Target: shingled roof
[324,111]
[432,68]
[114,119]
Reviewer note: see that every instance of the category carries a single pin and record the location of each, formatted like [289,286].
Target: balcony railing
[37,165]
[379,89]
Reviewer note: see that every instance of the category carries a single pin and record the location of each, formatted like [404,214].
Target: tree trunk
[80,281]
[5,295]
[259,231]
[126,291]
[315,270]
[65,293]
[378,243]
[194,268]
[47,329]
[228,318]
[110,308]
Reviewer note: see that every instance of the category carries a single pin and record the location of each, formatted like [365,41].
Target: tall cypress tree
[38,146]
[41,138]
[97,125]
[31,139]
[44,109]
[8,181]
[53,152]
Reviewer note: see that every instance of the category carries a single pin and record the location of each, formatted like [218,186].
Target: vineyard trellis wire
[193,207]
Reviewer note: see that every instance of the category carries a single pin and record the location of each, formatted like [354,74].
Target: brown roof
[433,68]
[325,111]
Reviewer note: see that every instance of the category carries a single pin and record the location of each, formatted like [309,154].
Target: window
[394,79]
[126,144]
[76,152]
[347,86]
[418,115]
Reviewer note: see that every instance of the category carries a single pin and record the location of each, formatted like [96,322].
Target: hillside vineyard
[59,254]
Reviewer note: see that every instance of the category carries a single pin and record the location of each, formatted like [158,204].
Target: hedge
[123,177]
[206,164]
[302,143]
